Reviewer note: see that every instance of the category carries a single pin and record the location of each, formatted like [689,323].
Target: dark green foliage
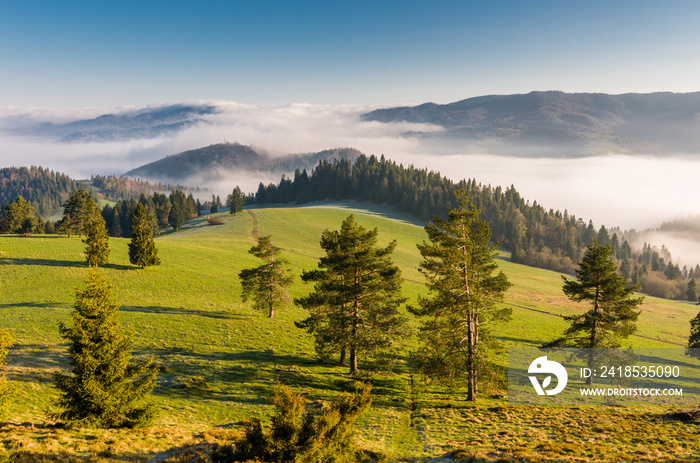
[18,217]
[267,283]
[302,435]
[104,389]
[179,211]
[694,338]
[692,292]
[96,239]
[43,188]
[235,201]
[612,315]
[458,267]
[357,292]
[142,247]
[214,208]
[75,213]
[534,235]
[6,390]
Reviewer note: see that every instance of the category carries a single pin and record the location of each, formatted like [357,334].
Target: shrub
[302,434]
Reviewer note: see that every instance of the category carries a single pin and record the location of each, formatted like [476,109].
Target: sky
[116,54]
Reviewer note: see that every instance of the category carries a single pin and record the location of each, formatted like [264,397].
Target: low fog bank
[626,191]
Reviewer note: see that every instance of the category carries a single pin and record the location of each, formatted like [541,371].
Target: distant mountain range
[586,123]
[145,123]
[213,160]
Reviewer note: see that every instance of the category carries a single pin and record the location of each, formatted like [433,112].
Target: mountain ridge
[656,122]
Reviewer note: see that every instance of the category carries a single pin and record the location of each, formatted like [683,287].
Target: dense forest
[45,189]
[534,235]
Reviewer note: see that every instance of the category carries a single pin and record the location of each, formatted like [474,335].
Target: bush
[300,434]
[213,220]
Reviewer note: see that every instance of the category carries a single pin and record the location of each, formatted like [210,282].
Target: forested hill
[232,156]
[45,189]
[584,123]
[535,236]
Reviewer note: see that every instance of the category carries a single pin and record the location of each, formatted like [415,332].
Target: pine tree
[104,389]
[267,284]
[75,212]
[96,239]
[612,315]
[458,267]
[694,338]
[361,283]
[179,211]
[17,216]
[142,248]
[692,291]
[235,201]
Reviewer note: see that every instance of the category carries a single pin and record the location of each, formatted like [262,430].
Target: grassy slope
[220,359]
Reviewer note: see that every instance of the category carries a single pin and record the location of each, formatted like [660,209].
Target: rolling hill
[219,360]
[212,160]
[574,123]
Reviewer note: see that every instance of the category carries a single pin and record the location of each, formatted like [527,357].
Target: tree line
[534,235]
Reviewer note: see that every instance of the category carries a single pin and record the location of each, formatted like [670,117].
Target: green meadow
[219,359]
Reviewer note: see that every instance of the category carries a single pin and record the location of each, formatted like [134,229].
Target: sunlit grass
[219,359]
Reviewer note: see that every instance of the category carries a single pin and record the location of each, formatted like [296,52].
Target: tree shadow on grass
[32,363]
[36,305]
[160,310]
[61,263]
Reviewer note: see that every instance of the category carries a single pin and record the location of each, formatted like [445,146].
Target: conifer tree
[142,248]
[694,338]
[612,315]
[357,293]
[458,267]
[103,389]
[75,212]
[96,238]
[17,216]
[235,201]
[267,283]
[179,210]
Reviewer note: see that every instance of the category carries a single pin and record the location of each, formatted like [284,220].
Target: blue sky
[110,54]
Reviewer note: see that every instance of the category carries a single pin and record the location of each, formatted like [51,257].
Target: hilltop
[213,159]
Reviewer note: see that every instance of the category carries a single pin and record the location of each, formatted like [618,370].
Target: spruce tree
[694,338]
[267,283]
[96,238]
[103,389]
[179,210]
[459,262]
[142,248]
[612,313]
[235,201]
[357,293]
[15,216]
[75,212]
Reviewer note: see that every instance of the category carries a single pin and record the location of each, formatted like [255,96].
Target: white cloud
[614,190]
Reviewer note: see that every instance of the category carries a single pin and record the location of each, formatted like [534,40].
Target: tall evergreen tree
[96,239]
[267,283]
[612,315]
[14,216]
[692,291]
[142,248]
[179,210]
[235,201]
[75,212]
[103,389]
[360,279]
[458,267]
